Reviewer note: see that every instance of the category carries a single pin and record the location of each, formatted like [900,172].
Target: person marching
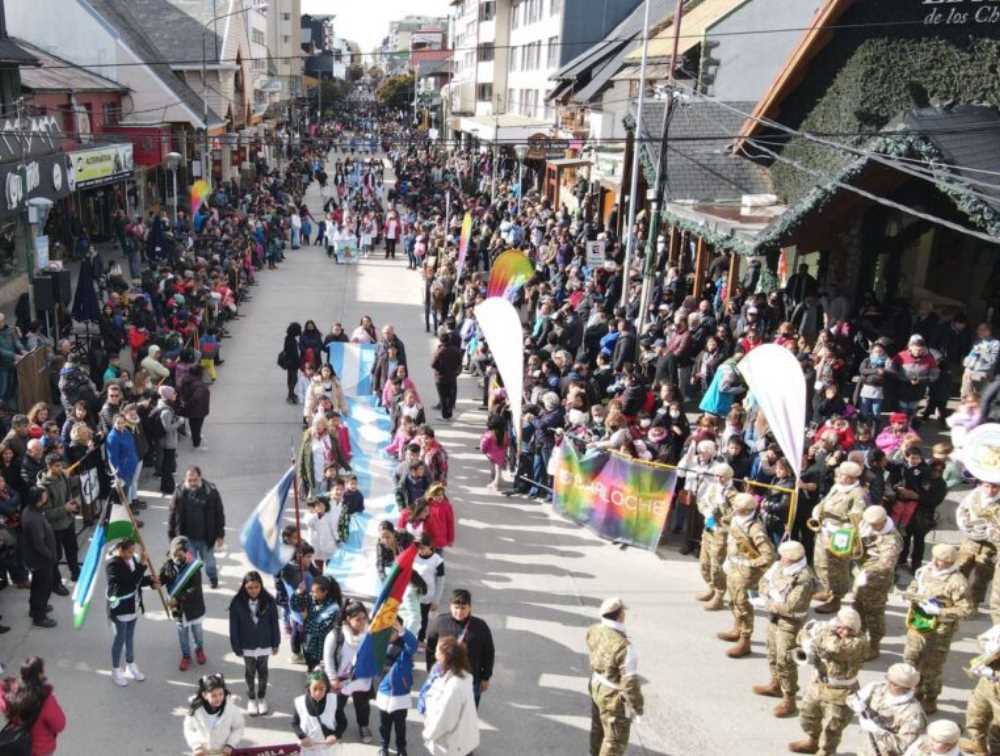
[749,552]
[340,650]
[125,576]
[985,698]
[213,725]
[314,717]
[393,697]
[836,651]
[321,606]
[715,506]
[615,692]
[939,600]
[786,589]
[187,605]
[888,713]
[838,516]
[943,738]
[978,517]
[255,636]
[882,546]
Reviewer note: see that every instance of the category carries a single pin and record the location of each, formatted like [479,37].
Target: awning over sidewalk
[508,127]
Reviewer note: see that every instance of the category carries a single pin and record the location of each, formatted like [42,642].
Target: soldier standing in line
[615,695]
[888,713]
[715,505]
[786,591]
[984,703]
[837,651]
[749,552]
[882,546]
[839,511]
[939,600]
[941,739]
[978,517]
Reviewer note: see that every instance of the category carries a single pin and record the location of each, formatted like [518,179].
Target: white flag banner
[775,379]
[501,326]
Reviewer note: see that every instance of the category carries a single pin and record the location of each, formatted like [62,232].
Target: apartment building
[283,36]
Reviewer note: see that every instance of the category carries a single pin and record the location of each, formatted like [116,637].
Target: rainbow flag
[199,194]
[511,270]
[463,243]
[371,656]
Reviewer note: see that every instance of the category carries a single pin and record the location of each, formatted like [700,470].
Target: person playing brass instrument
[837,518]
[748,553]
[837,653]
[978,517]
[939,601]
[715,505]
[889,715]
[882,546]
[786,591]
[985,699]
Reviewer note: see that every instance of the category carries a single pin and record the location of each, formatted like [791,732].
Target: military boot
[873,650]
[741,649]
[830,607]
[771,690]
[706,596]
[729,636]
[786,708]
[930,707]
[972,747]
[806,745]
[715,604]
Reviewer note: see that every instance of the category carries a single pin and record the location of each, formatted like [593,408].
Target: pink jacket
[494,451]
[888,441]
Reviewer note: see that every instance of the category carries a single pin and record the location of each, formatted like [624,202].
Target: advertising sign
[102,165]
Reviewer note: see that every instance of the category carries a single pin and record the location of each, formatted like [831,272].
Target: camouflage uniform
[977,517]
[902,722]
[927,651]
[788,597]
[983,709]
[833,513]
[878,567]
[744,572]
[715,502]
[614,689]
[824,709]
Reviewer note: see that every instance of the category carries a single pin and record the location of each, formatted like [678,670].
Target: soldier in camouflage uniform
[715,505]
[876,578]
[982,712]
[749,552]
[614,684]
[978,517]
[837,652]
[888,712]
[942,739]
[785,591]
[839,509]
[939,600]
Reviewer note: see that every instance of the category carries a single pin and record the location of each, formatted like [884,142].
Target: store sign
[22,138]
[101,165]
[960,12]
[46,176]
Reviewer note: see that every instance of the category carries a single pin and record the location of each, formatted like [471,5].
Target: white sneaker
[262,707]
[118,678]
[252,708]
[134,672]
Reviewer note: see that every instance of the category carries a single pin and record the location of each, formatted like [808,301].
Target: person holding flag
[181,573]
[340,650]
[125,576]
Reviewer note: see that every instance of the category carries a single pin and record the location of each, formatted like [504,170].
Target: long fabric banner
[620,499]
[501,327]
[353,365]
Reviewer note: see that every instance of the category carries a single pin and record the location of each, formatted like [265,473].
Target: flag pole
[141,542]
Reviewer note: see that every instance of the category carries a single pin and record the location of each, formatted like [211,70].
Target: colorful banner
[199,193]
[463,244]
[501,327]
[621,499]
[346,248]
[511,270]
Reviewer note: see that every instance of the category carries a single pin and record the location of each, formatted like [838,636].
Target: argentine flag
[353,364]
[261,535]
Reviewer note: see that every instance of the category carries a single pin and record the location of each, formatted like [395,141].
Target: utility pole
[648,269]
[636,143]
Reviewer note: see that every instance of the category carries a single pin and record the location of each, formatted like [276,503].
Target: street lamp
[521,151]
[173,163]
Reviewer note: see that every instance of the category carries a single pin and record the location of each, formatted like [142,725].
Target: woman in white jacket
[451,725]
[213,724]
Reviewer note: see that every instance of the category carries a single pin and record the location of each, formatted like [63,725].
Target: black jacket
[126,585]
[197,514]
[244,633]
[38,540]
[478,642]
[191,600]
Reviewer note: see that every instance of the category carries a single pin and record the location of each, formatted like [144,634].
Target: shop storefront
[103,177]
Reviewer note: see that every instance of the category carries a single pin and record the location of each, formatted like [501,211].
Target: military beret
[791,550]
[849,618]
[944,731]
[945,552]
[875,514]
[611,605]
[904,675]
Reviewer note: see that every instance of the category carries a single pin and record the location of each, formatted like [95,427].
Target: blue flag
[261,535]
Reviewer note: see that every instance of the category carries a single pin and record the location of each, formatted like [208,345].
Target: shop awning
[508,127]
[693,27]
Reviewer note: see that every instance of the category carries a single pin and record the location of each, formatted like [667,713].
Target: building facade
[284,39]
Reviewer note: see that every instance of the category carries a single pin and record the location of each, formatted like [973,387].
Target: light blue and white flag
[261,535]
[353,365]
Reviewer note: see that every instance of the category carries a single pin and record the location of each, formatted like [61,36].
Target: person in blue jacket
[393,697]
[123,455]
[255,636]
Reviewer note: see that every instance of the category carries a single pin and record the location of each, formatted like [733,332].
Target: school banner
[346,249]
[621,499]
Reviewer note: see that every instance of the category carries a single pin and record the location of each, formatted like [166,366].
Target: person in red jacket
[441,518]
[30,700]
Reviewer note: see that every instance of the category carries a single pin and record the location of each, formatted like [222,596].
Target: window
[488,10]
[285,38]
[515,16]
[484,92]
[512,65]
[556,8]
[553,60]
[486,52]
[286,16]
[534,11]
[110,114]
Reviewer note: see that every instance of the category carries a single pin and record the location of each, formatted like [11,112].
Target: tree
[396,91]
[376,73]
[355,71]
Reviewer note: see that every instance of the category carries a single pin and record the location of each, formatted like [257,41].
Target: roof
[55,74]
[694,23]
[179,27]
[121,16]
[12,53]
[700,169]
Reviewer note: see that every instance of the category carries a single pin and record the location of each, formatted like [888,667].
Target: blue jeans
[296,233]
[124,636]
[184,637]
[205,553]
[910,408]
[871,409]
